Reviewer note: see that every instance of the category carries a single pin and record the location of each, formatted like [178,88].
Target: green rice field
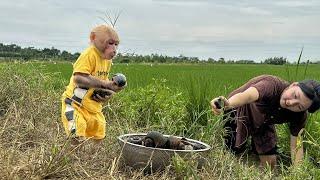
[219,78]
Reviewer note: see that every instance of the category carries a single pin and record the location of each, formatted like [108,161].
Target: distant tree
[182,58]
[75,55]
[194,59]
[221,60]
[245,62]
[211,60]
[276,61]
[65,55]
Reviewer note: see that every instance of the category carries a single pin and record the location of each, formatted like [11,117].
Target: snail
[155,139]
[176,143]
[135,140]
[119,79]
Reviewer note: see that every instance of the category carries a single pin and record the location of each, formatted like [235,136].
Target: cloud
[255,11]
[203,28]
[292,3]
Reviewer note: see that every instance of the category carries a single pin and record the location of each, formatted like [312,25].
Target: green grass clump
[155,106]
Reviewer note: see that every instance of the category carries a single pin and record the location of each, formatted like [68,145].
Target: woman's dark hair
[311,89]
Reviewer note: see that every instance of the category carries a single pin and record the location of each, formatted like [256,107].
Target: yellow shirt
[89,62]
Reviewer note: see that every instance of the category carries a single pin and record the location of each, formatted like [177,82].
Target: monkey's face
[106,44]
[111,48]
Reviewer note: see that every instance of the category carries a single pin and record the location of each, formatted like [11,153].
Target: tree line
[158,58]
[15,52]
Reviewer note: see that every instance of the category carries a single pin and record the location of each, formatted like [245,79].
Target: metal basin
[139,156]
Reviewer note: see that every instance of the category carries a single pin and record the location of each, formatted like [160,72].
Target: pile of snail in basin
[157,140]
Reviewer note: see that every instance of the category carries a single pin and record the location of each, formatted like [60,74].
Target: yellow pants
[86,124]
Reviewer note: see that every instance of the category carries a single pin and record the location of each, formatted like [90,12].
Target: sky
[232,29]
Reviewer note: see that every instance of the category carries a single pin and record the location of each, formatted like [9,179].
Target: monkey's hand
[102,95]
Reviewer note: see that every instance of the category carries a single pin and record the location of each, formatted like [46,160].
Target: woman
[254,108]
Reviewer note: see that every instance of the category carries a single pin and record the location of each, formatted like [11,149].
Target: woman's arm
[246,97]
[296,148]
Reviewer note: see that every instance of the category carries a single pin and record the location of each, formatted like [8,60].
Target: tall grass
[298,63]
[197,103]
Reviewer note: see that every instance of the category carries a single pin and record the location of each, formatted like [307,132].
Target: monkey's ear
[92,36]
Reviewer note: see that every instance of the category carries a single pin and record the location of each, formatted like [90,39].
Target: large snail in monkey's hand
[119,79]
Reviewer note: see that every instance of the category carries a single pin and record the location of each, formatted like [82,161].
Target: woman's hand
[296,147]
[218,104]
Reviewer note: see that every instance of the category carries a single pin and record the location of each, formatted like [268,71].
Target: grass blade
[305,69]
[298,64]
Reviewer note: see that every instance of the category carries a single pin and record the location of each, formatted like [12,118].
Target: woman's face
[294,99]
